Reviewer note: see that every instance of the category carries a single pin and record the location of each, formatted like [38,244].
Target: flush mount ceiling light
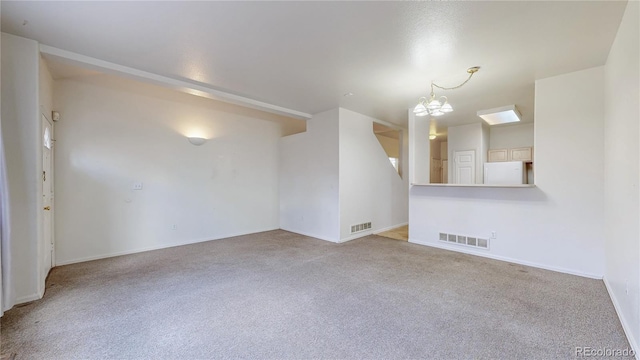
[197,141]
[501,115]
[433,136]
[439,106]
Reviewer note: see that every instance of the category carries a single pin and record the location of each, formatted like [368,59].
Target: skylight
[501,115]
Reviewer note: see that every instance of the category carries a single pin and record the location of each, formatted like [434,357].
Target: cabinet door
[521,154]
[498,155]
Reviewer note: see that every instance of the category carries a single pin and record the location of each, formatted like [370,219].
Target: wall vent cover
[470,241]
[360,227]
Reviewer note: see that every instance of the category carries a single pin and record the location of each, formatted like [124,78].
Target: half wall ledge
[476,185]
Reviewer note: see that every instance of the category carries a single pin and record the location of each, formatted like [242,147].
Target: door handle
[47,208]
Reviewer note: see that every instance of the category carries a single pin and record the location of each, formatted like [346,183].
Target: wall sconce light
[197,141]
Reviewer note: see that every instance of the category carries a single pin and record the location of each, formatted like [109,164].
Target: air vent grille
[360,227]
[471,241]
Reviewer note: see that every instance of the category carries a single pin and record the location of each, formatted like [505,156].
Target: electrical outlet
[174,227]
[493,234]
[137,186]
[626,287]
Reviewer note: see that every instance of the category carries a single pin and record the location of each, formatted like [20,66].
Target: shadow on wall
[480,193]
[390,140]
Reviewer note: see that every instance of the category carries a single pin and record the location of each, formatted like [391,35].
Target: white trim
[158,247]
[378,231]
[507,259]
[189,87]
[625,324]
[26,299]
[357,236]
[310,235]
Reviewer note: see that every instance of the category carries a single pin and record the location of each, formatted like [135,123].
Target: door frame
[44,245]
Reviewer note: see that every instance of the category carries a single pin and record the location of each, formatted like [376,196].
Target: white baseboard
[158,247]
[378,231]
[311,235]
[26,299]
[507,259]
[623,321]
[356,236]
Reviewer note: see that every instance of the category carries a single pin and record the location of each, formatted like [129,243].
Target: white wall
[420,150]
[309,198]
[621,173]
[557,225]
[466,137]
[21,135]
[370,188]
[511,136]
[114,132]
[3,201]
[485,142]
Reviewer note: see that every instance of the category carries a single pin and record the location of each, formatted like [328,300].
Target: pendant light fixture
[439,106]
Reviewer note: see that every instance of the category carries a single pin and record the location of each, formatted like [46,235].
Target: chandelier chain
[435,107]
[454,87]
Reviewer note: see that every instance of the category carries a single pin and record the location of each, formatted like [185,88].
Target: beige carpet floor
[278,295]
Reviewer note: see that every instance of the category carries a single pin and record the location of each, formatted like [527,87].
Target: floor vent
[475,242]
[360,227]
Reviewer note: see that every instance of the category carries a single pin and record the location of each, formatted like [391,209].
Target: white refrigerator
[505,173]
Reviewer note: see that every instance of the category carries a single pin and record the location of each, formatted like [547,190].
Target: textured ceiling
[306,55]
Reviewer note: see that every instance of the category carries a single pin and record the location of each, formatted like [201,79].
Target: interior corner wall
[621,173]
[557,225]
[371,190]
[21,134]
[309,189]
[115,132]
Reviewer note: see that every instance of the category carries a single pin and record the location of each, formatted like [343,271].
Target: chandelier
[439,106]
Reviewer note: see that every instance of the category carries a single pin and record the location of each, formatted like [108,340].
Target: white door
[47,196]
[464,167]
